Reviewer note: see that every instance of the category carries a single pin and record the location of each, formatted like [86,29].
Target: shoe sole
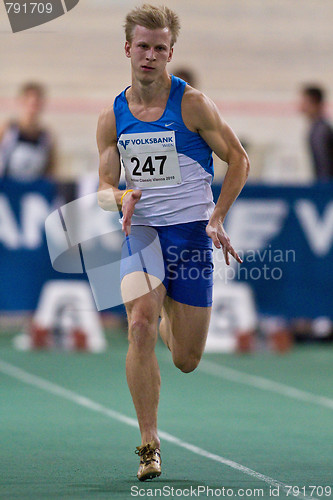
[151,475]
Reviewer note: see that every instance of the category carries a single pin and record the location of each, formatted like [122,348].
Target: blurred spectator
[320,138]
[187,75]
[27,150]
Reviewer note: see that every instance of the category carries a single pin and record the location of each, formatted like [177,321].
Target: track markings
[211,368]
[50,387]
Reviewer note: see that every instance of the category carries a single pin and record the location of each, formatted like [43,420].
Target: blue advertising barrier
[24,258]
[284,234]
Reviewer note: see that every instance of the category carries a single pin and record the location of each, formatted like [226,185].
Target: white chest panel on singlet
[150,159]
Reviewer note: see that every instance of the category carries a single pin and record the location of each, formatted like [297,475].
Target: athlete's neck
[148,92]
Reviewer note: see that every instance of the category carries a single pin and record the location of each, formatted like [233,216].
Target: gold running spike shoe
[150,461]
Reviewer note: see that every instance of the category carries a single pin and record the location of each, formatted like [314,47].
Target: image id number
[318,491]
[29,8]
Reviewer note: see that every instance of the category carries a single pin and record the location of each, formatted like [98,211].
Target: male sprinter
[164,131]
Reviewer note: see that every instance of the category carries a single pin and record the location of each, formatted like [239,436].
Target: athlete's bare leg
[142,371]
[184,329]
[164,328]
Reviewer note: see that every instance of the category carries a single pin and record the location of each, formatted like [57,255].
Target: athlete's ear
[170,54]
[127,49]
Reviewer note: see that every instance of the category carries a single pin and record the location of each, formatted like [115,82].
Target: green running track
[263,421]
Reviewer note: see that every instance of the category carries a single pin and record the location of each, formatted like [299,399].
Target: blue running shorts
[180,255]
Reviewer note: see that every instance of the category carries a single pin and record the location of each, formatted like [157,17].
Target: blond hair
[152,17]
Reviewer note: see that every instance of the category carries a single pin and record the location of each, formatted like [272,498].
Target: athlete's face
[149,51]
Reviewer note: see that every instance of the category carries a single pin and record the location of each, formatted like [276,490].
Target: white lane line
[28,378]
[262,383]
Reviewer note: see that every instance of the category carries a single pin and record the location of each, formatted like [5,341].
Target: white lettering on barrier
[34,210]
[9,231]
[317,229]
[28,231]
[252,224]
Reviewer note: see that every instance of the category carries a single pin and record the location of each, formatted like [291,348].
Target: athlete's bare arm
[109,195]
[201,115]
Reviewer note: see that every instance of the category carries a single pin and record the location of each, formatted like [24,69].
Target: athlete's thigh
[188,325]
[143,296]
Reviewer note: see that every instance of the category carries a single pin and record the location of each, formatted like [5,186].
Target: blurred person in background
[27,149]
[186,74]
[320,136]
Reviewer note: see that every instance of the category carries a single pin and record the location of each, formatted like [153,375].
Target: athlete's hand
[129,201]
[216,232]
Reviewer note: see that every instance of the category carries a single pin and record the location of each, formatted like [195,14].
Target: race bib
[150,159]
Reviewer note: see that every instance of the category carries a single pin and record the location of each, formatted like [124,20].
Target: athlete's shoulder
[106,128]
[197,108]
[109,111]
[107,117]
[196,99]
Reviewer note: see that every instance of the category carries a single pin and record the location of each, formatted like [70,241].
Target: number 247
[148,165]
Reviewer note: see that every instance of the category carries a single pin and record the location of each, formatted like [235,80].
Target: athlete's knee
[142,333]
[187,364]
